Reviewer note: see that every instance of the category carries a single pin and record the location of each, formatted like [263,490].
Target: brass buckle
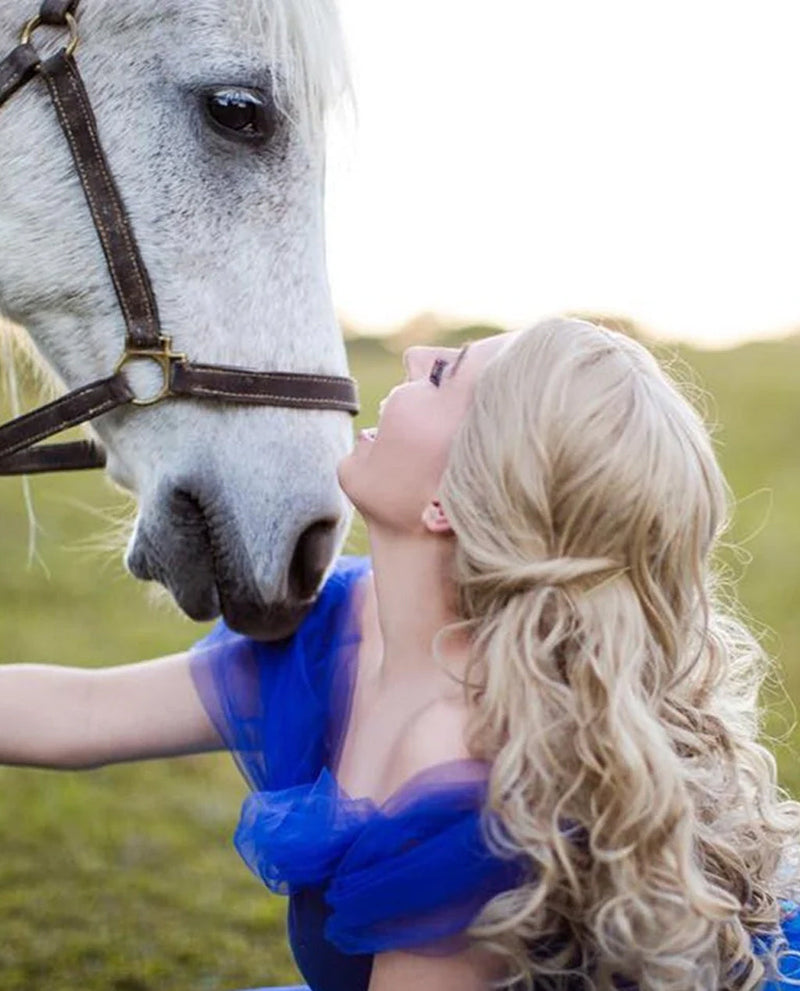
[164,358]
[36,22]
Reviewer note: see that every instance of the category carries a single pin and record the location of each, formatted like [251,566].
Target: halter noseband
[20,450]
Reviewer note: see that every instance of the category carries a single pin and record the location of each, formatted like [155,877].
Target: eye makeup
[437,371]
[439,366]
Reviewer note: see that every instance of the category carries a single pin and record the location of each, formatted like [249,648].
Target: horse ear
[435,519]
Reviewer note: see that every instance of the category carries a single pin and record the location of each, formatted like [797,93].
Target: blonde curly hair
[616,701]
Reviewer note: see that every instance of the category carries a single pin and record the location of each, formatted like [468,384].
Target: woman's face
[394,471]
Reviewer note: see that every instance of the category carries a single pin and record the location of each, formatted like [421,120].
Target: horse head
[211,116]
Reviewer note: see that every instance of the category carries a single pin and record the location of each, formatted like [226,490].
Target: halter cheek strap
[144,338]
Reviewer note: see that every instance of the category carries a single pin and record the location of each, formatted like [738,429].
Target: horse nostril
[311,557]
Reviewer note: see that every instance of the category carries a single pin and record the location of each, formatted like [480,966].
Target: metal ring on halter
[163,358]
[36,22]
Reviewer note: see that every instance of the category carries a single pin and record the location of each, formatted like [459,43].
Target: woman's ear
[434,518]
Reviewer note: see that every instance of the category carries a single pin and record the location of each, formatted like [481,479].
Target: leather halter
[144,339]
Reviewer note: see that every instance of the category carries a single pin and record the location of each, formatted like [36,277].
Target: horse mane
[305,46]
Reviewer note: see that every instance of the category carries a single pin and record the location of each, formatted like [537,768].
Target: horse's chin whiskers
[159,598]
[111,541]
[9,344]
[117,525]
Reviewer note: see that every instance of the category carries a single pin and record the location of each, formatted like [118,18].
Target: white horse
[239,509]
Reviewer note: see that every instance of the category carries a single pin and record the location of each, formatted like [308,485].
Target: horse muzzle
[193,547]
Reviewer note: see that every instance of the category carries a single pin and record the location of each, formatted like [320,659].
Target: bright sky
[519,158]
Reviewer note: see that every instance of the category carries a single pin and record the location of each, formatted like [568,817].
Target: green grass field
[125,878]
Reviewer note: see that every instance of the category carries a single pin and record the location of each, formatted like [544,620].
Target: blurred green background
[125,878]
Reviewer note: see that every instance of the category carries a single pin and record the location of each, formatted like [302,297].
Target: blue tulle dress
[410,873]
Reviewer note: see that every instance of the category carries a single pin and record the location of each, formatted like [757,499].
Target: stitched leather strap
[130,278]
[237,385]
[74,456]
[55,11]
[16,69]
[69,411]
[19,453]
[19,456]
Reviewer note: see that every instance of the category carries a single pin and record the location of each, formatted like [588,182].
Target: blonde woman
[517,747]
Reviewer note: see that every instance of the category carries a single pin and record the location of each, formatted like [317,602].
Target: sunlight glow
[521,158]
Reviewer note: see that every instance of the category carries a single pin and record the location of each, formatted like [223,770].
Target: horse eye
[241,114]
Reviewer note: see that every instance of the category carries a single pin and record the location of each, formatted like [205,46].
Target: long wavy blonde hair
[615,699]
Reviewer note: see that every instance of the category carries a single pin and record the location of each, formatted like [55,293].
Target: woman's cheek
[415,446]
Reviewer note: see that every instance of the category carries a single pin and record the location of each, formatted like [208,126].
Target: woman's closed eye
[437,371]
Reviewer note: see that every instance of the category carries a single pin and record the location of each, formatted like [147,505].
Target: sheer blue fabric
[410,873]
[362,878]
[787,945]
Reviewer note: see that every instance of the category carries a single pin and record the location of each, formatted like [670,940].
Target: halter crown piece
[20,450]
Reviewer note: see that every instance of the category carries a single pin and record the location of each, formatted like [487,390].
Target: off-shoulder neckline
[343,685]
[399,799]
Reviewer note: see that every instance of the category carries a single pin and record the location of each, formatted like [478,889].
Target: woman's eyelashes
[437,371]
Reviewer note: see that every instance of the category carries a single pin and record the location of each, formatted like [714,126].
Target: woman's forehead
[480,345]
[475,353]
[481,351]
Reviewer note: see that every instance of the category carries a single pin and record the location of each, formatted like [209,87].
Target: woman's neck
[415,599]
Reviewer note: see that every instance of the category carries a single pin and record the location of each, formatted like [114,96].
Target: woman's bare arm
[60,717]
